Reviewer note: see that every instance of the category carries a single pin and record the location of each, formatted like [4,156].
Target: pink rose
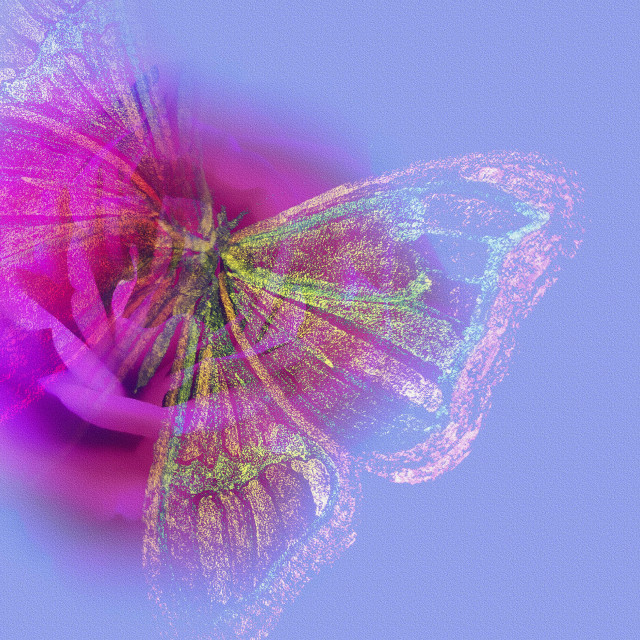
[73,428]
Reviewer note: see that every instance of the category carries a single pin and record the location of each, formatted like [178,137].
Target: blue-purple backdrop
[535,534]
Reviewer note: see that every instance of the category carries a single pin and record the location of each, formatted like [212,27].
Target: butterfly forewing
[402,280]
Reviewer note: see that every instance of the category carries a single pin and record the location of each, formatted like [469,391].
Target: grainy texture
[360,331]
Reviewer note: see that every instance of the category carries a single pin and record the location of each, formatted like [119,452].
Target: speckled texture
[360,331]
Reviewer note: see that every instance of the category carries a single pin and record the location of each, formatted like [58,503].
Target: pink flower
[73,427]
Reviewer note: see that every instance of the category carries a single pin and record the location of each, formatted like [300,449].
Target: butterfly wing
[399,297]
[365,329]
[246,496]
[83,156]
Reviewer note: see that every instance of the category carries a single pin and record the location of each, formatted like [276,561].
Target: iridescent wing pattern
[399,294]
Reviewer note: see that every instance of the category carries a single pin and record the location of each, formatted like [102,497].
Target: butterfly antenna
[237,220]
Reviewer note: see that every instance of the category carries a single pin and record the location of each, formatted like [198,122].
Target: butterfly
[271,363]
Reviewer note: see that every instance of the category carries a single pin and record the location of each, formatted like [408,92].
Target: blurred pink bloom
[72,428]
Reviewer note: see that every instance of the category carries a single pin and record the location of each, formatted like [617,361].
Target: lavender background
[535,534]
